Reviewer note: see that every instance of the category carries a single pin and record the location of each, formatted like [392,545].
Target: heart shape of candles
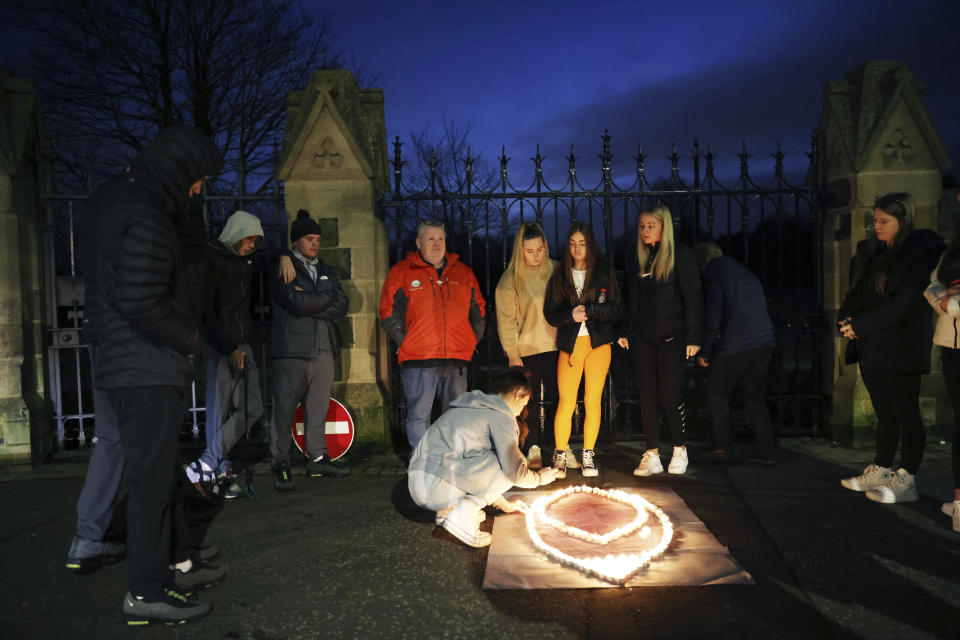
[615,568]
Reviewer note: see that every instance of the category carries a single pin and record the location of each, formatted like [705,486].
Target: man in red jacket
[431,306]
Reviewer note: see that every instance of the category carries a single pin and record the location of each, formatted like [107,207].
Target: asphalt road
[354,558]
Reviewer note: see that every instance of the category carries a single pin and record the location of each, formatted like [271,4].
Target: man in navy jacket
[738,342]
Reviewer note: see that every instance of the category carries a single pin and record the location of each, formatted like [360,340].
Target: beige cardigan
[947,333]
[523,329]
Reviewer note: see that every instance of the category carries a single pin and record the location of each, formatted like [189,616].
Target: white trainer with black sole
[560,464]
[588,468]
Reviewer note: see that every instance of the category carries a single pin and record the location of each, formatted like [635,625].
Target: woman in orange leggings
[583,303]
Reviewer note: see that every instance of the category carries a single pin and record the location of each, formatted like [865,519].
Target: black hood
[179,156]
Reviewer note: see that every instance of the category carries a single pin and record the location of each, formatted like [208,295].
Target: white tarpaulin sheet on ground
[694,556]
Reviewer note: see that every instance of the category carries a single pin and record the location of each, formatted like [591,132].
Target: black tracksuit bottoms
[749,367]
[950,365]
[659,367]
[895,397]
[149,419]
[543,370]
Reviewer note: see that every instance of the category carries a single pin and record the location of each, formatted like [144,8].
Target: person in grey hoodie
[470,456]
[233,401]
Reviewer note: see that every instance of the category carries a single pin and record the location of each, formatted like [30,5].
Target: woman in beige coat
[525,336]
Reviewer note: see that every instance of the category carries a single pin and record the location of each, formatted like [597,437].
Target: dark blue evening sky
[560,72]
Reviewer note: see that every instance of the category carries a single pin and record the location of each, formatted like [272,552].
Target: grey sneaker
[86,556]
[170,607]
[201,575]
[324,466]
[589,469]
[873,476]
[901,487]
[560,463]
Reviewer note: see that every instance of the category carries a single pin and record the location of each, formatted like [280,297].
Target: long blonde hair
[527,231]
[663,262]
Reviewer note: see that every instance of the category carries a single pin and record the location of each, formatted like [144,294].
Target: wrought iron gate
[773,229]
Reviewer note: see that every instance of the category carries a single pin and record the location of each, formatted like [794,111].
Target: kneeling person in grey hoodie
[470,456]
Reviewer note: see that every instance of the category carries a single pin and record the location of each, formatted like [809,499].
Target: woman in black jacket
[662,328]
[583,303]
[888,323]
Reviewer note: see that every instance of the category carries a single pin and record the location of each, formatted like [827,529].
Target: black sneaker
[170,607]
[86,556]
[201,575]
[324,466]
[282,480]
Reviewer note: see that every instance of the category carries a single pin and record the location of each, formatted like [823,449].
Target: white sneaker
[572,462]
[873,476]
[901,487]
[560,464]
[441,515]
[589,469]
[678,463]
[464,524]
[649,464]
[534,459]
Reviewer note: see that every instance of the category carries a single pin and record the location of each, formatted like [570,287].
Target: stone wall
[25,432]
[334,164]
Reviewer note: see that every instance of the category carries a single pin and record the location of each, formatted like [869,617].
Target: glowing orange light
[612,568]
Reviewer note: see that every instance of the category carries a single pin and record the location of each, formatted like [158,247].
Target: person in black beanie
[305,341]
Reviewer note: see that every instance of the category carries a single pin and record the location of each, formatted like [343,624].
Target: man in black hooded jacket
[138,319]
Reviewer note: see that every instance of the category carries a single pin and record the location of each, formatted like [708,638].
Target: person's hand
[547,475]
[286,273]
[624,343]
[692,350]
[236,359]
[703,362]
[514,362]
[579,313]
[297,287]
[846,330]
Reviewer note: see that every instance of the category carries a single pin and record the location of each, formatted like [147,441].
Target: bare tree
[112,72]
[442,162]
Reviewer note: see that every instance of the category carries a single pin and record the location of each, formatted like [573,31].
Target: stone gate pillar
[876,137]
[25,432]
[334,164]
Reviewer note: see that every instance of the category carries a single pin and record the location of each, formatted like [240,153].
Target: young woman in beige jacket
[943,294]
[526,338]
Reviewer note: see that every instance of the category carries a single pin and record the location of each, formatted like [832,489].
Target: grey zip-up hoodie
[472,444]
